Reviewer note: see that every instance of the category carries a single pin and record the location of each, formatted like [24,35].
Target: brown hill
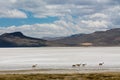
[17,39]
[100,38]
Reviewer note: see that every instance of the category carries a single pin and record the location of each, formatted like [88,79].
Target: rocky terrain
[99,38]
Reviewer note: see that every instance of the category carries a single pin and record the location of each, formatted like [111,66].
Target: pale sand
[55,71]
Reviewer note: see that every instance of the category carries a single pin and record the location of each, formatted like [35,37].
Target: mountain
[99,38]
[17,39]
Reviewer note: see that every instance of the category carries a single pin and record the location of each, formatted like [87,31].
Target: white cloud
[98,15]
[62,27]
[13,1]
[8,10]
[96,24]
[12,14]
[75,16]
[38,30]
[45,8]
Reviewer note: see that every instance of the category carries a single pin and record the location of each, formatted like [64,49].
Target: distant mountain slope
[99,38]
[17,39]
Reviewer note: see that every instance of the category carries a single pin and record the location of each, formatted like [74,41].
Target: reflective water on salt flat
[52,57]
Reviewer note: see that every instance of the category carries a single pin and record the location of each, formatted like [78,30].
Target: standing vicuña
[100,64]
[34,66]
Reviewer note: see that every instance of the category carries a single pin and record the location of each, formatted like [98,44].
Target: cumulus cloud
[94,24]
[75,16]
[12,14]
[63,27]
[7,10]
[45,8]
[38,30]
[98,15]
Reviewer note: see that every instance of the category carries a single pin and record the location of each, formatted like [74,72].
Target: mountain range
[99,38]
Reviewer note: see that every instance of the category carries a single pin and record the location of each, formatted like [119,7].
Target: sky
[56,18]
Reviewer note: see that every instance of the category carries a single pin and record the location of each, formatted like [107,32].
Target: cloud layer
[75,16]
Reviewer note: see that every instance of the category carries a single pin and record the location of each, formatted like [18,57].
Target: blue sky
[55,18]
[6,22]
